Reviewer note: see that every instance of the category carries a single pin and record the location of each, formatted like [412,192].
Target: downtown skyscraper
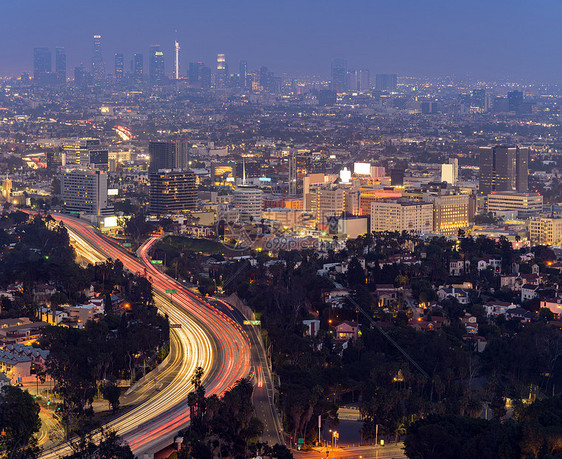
[60,65]
[156,65]
[42,64]
[97,63]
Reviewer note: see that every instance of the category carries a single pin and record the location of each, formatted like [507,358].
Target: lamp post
[376,435]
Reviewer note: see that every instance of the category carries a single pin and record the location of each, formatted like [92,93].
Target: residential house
[459,294]
[496,308]
[489,262]
[347,330]
[459,267]
[528,292]
[554,305]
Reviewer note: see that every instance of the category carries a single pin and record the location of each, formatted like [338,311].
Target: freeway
[202,336]
[264,390]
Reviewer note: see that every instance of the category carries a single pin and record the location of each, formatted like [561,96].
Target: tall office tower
[504,169]
[386,82]
[119,67]
[339,75]
[98,65]
[138,67]
[81,76]
[397,176]
[156,65]
[299,167]
[478,98]
[183,149]
[514,100]
[358,80]
[177,60]
[42,64]
[205,77]
[364,79]
[172,192]
[522,170]
[194,73]
[222,71]
[162,156]
[243,74]
[84,191]
[60,65]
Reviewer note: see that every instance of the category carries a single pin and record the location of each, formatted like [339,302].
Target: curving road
[202,336]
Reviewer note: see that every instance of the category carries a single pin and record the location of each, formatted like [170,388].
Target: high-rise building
[60,65]
[205,77]
[504,169]
[162,156]
[339,75]
[397,176]
[450,171]
[248,200]
[299,167]
[386,82]
[156,65]
[243,74]
[138,67]
[98,65]
[81,76]
[172,192]
[222,71]
[478,99]
[84,191]
[119,66]
[514,100]
[176,60]
[77,150]
[359,80]
[402,215]
[194,73]
[42,65]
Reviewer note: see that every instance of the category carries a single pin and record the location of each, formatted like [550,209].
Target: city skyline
[300,40]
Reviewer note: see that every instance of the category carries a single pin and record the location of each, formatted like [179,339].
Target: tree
[111,393]
[109,447]
[19,421]
[355,273]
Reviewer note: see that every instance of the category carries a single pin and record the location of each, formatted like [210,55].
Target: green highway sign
[156,262]
[171,290]
[301,441]
[252,322]
[126,244]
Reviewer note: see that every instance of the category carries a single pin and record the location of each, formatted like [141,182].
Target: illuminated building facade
[403,215]
[545,231]
[84,191]
[172,192]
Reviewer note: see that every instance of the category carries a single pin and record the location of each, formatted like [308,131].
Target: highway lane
[264,389]
[205,337]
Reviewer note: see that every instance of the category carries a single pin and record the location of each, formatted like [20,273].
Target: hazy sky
[505,39]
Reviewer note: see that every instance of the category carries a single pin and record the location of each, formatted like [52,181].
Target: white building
[85,191]
[249,202]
